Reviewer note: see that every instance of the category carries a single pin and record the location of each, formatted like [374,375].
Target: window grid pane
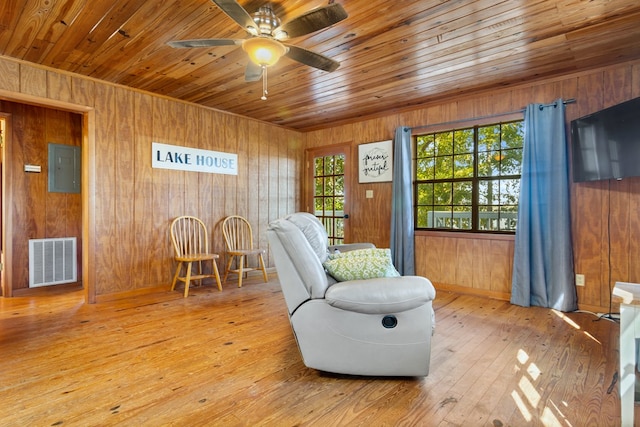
[469,179]
[328,199]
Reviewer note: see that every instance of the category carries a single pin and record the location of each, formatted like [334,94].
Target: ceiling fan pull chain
[264,83]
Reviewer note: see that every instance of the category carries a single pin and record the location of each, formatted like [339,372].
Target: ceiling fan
[264,45]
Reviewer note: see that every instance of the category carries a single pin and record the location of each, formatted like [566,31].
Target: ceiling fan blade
[236,12]
[311,59]
[204,42]
[253,72]
[311,21]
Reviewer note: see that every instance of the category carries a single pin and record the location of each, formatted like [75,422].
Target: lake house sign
[176,157]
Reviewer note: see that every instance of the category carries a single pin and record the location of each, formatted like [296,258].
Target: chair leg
[175,276]
[187,279]
[240,272]
[228,268]
[262,267]
[200,272]
[215,271]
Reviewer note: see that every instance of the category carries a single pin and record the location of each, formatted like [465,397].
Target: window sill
[465,235]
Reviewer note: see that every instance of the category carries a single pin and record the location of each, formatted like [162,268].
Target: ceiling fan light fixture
[264,51]
[264,46]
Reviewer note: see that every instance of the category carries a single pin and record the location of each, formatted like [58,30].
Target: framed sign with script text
[375,161]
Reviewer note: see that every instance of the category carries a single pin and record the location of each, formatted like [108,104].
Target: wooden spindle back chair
[238,238]
[191,244]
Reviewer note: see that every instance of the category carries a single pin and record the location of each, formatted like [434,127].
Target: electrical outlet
[579,279]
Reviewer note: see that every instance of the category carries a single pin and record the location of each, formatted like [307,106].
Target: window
[469,179]
[328,197]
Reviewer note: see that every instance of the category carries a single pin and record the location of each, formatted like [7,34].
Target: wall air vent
[52,261]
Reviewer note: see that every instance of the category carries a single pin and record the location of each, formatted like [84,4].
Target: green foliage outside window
[469,179]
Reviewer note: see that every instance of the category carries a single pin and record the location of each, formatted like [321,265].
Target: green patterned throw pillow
[360,264]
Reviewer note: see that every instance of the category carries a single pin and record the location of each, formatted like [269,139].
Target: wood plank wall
[134,203]
[605,218]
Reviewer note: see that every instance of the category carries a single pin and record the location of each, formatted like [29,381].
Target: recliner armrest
[346,247]
[381,296]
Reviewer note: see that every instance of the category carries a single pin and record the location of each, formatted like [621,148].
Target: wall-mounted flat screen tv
[606,144]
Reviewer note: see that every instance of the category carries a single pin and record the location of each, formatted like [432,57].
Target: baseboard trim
[165,288]
[503,296]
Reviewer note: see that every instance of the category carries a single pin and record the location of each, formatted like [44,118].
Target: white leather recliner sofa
[379,327]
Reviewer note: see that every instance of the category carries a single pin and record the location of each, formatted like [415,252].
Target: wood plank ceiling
[393,54]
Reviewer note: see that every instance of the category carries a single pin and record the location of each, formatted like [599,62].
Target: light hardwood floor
[229,359]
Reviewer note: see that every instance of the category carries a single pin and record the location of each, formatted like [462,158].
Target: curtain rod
[522,110]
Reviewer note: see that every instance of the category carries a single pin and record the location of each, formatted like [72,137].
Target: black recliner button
[389,321]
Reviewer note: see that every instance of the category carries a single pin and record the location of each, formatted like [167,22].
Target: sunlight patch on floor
[528,399]
[573,324]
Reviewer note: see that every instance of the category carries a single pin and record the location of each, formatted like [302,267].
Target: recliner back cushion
[314,232]
[302,255]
